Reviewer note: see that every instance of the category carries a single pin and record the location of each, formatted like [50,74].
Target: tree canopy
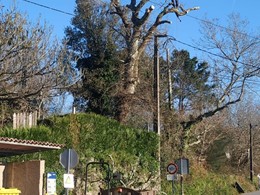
[92,41]
[31,68]
[129,29]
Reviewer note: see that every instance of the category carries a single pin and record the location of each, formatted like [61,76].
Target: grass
[201,181]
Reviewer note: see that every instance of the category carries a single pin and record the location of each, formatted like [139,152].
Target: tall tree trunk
[137,39]
[131,80]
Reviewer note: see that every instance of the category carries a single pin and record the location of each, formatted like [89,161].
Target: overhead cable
[214,54]
[223,27]
[193,17]
[47,7]
[212,23]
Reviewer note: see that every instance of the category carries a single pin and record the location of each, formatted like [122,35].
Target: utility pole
[156,92]
[156,86]
[250,152]
[169,79]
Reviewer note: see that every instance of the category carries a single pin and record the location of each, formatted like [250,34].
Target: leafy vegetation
[202,181]
[132,152]
[199,119]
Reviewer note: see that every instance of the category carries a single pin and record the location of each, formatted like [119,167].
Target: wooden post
[14,121]
[30,120]
[24,119]
[18,121]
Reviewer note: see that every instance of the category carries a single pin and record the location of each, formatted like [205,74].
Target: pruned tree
[137,31]
[31,68]
[109,41]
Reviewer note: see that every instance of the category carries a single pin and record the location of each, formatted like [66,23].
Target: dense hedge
[133,152]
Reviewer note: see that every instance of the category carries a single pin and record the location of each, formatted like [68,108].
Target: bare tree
[234,56]
[137,33]
[236,61]
[33,66]
[242,117]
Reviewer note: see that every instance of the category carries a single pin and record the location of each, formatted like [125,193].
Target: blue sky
[186,31]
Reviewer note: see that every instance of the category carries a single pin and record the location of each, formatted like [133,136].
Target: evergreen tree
[130,31]
[97,57]
[190,82]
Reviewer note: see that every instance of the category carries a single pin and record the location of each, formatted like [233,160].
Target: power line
[197,48]
[193,17]
[212,23]
[211,53]
[223,27]
[50,8]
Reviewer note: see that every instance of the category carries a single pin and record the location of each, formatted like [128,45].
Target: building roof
[13,146]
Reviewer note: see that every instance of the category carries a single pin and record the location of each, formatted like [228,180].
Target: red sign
[172,168]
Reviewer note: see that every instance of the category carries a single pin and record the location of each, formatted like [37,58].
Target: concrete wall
[26,176]
[2,168]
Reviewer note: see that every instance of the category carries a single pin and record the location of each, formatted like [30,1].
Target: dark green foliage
[216,156]
[93,44]
[190,78]
[40,133]
[94,138]
[190,82]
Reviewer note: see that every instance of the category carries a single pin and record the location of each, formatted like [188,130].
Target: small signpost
[68,159]
[181,167]
[51,183]
[184,168]
[172,169]
[68,181]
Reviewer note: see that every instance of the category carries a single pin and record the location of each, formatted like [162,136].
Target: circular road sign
[172,168]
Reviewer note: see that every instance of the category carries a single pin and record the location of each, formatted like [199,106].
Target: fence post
[36,113]
[14,121]
[30,120]
[25,120]
[18,120]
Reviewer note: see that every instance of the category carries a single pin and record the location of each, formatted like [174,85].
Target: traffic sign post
[183,164]
[172,169]
[68,159]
